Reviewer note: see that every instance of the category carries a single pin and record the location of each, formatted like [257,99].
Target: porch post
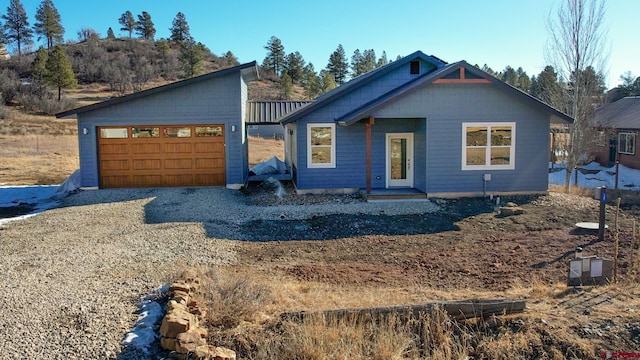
[368,161]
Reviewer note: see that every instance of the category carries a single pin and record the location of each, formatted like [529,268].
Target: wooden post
[634,261]
[616,243]
[368,160]
[602,219]
[617,171]
[576,176]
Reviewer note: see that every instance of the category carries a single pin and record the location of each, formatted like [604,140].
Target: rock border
[181,331]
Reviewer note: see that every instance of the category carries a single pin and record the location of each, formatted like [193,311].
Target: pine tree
[357,63]
[39,64]
[275,56]
[285,85]
[145,27]
[128,22]
[180,29]
[110,34]
[58,70]
[191,58]
[509,76]
[231,59]
[338,66]
[311,82]
[547,87]
[524,82]
[48,24]
[17,25]
[294,67]
[383,59]
[369,60]
[327,81]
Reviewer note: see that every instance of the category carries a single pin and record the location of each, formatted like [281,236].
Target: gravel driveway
[72,277]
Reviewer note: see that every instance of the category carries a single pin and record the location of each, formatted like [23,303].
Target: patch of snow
[628,179]
[144,332]
[41,197]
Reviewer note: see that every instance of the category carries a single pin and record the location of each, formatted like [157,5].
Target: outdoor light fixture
[85,131]
[233,128]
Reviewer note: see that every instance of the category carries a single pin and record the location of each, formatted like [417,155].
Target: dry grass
[245,308]
[37,159]
[261,149]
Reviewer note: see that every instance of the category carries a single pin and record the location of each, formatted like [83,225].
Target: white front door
[400,160]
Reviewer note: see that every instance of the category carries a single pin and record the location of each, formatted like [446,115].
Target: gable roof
[248,70]
[359,82]
[442,74]
[622,114]
[270,112]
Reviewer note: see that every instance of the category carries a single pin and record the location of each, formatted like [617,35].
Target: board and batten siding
[215,101]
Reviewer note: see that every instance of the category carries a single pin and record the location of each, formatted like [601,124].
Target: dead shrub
[231,300]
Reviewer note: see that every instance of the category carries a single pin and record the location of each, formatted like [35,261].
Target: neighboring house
[187,133]
[618,125]
[262,117]
[421,124]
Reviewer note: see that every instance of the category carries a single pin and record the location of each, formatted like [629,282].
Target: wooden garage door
[150,156]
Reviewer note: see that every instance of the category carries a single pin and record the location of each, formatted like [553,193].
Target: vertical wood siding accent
[217,101]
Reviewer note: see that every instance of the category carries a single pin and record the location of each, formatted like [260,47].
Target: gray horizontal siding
[438,146]
[350,170]
[217,101]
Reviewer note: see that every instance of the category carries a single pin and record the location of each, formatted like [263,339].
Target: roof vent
[414,67]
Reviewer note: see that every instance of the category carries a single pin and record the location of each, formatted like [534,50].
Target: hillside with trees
[37,80]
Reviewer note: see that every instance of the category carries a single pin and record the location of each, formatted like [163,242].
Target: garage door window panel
[208,131]
[177,132]
[114,133]
[145,132]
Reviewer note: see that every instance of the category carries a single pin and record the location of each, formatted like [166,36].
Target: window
[627,143]
[601,138]
[321,149]
[208,131]
[488,146]
[414,67]
[114,133]
[177,132]
[145,132]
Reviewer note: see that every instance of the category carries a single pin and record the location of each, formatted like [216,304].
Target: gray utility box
[590,270]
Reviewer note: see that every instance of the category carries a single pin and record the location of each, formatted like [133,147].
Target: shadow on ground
[230,214]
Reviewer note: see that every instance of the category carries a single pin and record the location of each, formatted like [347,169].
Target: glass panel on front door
[398,159]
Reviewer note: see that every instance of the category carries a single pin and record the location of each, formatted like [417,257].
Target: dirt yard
[467,250]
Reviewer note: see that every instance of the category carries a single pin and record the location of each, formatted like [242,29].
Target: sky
[493,32]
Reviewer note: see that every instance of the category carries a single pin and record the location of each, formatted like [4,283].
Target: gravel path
[72,277]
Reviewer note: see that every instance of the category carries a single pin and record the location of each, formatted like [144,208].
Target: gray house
[187,133]
[423,125]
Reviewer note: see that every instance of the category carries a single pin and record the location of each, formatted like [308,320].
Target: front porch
[393,194]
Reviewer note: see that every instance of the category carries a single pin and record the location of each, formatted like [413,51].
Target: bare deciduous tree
[578,41]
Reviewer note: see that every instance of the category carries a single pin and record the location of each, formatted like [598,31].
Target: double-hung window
[488,146]
[627,143]
[321,145]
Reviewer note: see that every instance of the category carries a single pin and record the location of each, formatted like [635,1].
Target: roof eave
[374,74]
[248,70]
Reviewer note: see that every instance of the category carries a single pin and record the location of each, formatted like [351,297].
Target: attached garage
[187,133]
[154,156]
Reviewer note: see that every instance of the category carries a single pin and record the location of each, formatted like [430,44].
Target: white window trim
[332,164]
[627,135]
[488,125]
